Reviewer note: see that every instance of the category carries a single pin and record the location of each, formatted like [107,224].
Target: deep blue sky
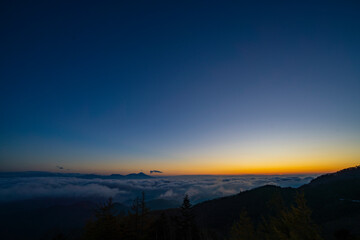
[108,86]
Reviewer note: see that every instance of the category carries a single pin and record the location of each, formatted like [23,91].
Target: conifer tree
[105,226]
[295,223]
[243,229]
[161,228]
[143,213]
[186,224]
[135,214]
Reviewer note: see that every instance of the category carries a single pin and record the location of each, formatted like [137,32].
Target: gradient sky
[207,88]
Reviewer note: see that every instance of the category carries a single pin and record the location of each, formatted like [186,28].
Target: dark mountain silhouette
[38,218]
[160,204]
[220,214]
[42,218]
[345,174]
[140,175]
[37,174]
[333,198]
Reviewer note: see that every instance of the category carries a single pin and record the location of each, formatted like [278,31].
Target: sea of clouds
[199,188]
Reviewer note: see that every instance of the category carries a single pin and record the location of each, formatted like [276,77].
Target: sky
[205,87]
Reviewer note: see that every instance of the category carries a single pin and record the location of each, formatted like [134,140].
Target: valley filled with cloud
[199,188]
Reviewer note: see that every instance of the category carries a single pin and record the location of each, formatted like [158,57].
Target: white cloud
[168,194]
[199,188]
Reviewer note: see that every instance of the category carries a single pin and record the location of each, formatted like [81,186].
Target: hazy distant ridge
[139,175]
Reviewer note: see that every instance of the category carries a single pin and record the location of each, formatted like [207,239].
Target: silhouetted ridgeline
[333,199]
[345,174]
[326,208]
[139,175]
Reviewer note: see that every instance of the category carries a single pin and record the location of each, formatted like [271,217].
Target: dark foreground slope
[333,199]
[220,214]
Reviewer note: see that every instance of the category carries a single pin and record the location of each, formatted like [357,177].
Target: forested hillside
[326,208]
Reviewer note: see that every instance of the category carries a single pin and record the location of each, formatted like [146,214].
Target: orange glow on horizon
[258,171]
[226,167]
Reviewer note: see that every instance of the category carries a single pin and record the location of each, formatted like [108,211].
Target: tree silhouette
[59,236]
[105,226]
[143,214]
[136,225]
[295,223]
[243,229]
[161,229]
[343,234]
[187,229]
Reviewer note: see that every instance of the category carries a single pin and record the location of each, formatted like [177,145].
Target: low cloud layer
[199,188]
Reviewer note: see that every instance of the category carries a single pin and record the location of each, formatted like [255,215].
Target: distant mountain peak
[139,175]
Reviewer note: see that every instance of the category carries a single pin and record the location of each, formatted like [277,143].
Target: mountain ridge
[333,198]
[139,175]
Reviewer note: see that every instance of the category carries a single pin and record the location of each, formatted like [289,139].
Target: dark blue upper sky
[148,84]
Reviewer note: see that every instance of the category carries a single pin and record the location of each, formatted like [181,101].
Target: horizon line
[174,175]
